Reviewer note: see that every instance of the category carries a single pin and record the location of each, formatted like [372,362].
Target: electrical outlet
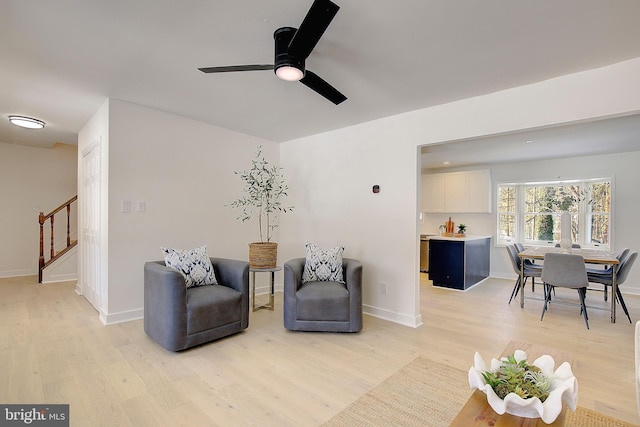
[383,288]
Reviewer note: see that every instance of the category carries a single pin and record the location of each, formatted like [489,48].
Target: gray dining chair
[565,271]
[607,271]
[530,270]
[621,275]
[528,263]
[573,245]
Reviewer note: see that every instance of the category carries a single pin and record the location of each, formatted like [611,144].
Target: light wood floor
[53,349]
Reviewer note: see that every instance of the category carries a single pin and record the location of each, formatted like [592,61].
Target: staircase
[53,253]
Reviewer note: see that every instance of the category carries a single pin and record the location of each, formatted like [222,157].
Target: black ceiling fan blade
[231,68]
[315,82]
[313,26]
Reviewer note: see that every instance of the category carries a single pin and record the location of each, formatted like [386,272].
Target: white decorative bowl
[564,388]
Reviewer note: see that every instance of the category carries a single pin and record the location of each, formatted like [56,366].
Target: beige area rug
[426,393]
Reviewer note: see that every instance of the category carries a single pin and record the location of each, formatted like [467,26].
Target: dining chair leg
[515,290]
[624,306]
[582,293]
[547,293]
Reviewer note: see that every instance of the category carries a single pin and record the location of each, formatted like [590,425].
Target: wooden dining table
[591,256]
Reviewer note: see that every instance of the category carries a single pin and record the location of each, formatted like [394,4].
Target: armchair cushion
[194,265]
[201,301]
[323,265]
[323,300]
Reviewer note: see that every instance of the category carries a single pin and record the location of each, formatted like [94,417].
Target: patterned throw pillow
[323,265]
[194,265]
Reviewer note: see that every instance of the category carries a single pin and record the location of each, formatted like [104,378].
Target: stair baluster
[42,218]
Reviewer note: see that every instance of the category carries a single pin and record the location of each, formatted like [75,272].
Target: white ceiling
[60,60]
[612,135]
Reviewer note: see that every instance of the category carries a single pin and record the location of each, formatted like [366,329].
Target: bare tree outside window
[588,202]
[507,212]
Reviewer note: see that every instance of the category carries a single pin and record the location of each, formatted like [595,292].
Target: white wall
[32,180]
[184,172]
[622,168]
[334,172]
[331,182]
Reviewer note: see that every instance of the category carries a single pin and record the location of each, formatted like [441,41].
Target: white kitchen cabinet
[479,191]
[433,193]
[457,192]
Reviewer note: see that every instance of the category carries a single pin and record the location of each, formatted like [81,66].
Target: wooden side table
[477,411]
[270,305]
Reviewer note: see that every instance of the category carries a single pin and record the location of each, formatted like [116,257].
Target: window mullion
[520,210]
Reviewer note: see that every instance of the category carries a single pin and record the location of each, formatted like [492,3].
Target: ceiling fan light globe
[289,73]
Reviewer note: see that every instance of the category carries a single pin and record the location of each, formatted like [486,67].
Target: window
[507,212]
[530,212]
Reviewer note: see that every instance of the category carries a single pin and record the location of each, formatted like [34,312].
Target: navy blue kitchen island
[458,262]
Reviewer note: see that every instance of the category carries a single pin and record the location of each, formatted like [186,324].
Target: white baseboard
[391,316]
[123,316]
[54,278]
[504,276]
[17,273]
[265,289]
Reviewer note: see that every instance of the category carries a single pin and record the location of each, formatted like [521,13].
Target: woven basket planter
[263,254]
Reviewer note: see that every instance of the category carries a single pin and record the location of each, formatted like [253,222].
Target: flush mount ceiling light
[26,122]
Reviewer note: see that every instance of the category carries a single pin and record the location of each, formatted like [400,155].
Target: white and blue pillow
[323,265]
[194,265]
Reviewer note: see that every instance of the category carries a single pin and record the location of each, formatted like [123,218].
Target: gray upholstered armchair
[178,318]
[323,306]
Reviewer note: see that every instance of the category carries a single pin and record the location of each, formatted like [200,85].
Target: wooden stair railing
[53,255]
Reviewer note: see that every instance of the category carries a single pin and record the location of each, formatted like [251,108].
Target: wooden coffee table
[477,412]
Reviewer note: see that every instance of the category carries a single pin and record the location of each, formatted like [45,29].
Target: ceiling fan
[292,47]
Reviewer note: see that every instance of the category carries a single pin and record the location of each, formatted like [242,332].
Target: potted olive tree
[264,189]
